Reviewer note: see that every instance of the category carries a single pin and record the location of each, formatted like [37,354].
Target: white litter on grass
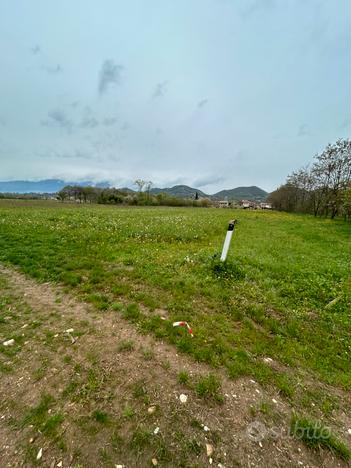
[349,431]
[151,409]
[157,430]
[9,342]
[154,461]
[119,466]
[59,464]
[40,454]
[205,428]
[209,450]
[268,359]
[183,398]
[69,331]
[274,400]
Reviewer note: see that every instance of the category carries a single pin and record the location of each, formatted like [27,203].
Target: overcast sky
[210,93]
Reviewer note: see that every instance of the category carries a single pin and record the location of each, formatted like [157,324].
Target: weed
[148,354]
[132,313]
[166,364]
[140,439]
[315,435]
[52,424]
[184,377]
[100,416]
[128,412]
[209,387]
[139,389]
[125,345]
[38,414]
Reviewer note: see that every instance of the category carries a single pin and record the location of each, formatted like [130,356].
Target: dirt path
[115,396]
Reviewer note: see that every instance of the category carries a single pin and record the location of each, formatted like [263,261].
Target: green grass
[184,378]
[100,416]
[315,436]
[37,416]
[209,387]
[269,299]
[125,346]
[128,412]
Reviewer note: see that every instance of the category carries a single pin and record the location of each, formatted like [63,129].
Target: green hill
[239,193]
[180,191]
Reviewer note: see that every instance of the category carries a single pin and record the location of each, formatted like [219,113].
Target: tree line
[114,196]
[321,189]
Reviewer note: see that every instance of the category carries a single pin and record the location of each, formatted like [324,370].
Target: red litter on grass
[184,324]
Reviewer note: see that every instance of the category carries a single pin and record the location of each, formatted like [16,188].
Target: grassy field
[284,293]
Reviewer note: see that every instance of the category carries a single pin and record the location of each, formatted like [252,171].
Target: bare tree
[148,186]
[141,184]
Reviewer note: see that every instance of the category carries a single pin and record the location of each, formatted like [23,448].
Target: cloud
[110,74]
[125,126]
[207,180]
[58,118]
[254,6]
[89,122]
[53,70]
[35,50]
[202,103]
[303,130]
[74,154]
[108,121]
[88,119]
[345,123]
[160,89]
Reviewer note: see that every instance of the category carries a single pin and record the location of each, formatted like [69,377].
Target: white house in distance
[247,204]
[265,206]
[223,204]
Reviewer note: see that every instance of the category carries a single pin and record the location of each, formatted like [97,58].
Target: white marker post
[227,240]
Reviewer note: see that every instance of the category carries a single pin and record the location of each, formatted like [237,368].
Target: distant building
[223,204]
[247,204]
[266,206]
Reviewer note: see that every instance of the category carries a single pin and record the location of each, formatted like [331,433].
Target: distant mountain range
[181,191]
[43,186]
[239,193]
